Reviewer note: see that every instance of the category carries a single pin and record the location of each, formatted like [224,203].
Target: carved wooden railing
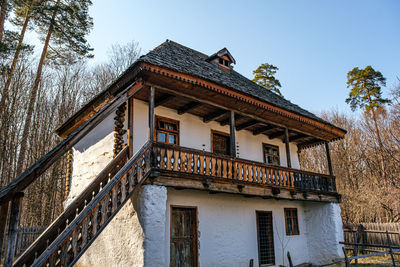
[69,214]
[191,161]
[74,231]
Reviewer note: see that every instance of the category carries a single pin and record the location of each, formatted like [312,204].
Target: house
[182,161]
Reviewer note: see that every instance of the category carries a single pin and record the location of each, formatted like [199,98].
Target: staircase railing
[71,242]
[13,192]
[74,208]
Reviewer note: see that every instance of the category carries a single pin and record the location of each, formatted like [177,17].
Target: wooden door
[183,237]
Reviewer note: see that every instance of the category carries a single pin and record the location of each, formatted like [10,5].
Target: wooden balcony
[182,167]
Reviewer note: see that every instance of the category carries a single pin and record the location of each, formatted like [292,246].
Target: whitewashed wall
[194,133]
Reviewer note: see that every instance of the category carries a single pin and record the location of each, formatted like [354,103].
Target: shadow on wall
[97,134]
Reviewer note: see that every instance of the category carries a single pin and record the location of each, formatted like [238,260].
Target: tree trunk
[3,13]
[32,96]
[4,95]
[379,142]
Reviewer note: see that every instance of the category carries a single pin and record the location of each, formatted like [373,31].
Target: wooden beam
[188,181]
[215,115]
[276,135]
[263,129]
[246,124]
[232,132]
[328,158]
[188,107]
[151,112]
[162,99]
[296,137]
[288,161]
[216,105]
[227,121]
[309,143]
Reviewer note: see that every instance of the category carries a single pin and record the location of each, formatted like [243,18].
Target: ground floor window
[291,221]
[265,236]
[183,246]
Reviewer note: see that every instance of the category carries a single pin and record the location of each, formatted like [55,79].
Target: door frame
[195,232]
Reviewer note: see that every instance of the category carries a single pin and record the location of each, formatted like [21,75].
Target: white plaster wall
[90,155]
[152,212]
[121,243]
[227,231]
[194,133]
[325,231]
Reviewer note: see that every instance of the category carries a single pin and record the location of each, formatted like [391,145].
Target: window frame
[273,147]
[292,219]
[166,131]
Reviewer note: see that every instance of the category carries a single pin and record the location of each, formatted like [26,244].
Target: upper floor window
[271,154]
[220,142]
[291,221]
[167,130]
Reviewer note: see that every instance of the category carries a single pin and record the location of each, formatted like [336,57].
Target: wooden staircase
[72,233]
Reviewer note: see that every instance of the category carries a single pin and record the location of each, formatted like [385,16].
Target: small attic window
[223,58]
[224,62]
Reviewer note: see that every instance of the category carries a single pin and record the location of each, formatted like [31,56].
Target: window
[220,143]
[167,130]
[265,238]
[291,221]
[271,154]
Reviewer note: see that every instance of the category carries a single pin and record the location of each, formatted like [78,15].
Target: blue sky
[314,43]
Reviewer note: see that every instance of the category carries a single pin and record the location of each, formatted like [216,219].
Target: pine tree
[63,25]
[264,76]
[23,11]
[366,94]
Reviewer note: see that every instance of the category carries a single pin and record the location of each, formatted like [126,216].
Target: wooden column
[130,127]
[3,220]
[232,134]
[13,227]
[119,130]
[289,163]
[68,174]
[151,113]
[328,157]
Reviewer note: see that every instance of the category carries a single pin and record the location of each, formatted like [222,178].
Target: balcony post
[3,223]
[151,113]
[289,163]
[13,227]
[232,133]
[130,127]
[328,157]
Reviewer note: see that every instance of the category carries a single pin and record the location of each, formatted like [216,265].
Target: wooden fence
[25,237]
[372,233]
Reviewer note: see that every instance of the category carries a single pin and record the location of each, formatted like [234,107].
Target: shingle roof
[185,60]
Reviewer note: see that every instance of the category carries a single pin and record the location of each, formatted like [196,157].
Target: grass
[384,261]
